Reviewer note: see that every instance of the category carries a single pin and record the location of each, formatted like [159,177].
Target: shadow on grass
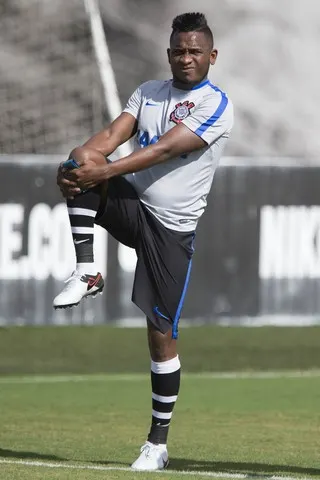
[250,469]
[28,455]
[20,455]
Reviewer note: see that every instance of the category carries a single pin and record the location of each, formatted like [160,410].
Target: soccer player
[151,200]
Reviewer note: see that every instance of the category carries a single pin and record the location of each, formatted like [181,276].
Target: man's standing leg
[165,382]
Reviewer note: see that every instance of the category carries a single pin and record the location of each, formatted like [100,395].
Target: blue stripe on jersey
[217,114]
[202,84]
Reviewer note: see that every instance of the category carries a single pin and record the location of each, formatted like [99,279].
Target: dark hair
[191,22]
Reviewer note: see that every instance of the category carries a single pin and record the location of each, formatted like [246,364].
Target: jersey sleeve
[212,118]
[134,103]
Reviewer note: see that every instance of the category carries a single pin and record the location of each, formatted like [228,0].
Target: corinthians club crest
[181,111]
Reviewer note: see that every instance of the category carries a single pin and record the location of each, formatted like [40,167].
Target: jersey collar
[200,85]
[196,87]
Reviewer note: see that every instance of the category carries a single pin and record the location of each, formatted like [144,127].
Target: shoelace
[74,276]
[148,449]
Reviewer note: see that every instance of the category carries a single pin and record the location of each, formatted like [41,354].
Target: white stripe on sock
[162,415]
[87,268]
[85,230]
[163,399]
[81,211]
[169,366]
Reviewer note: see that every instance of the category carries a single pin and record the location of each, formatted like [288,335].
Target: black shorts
[163,255]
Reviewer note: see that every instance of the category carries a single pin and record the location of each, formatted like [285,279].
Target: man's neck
[187,86]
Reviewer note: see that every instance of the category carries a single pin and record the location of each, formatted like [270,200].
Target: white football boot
[152,457]
[78,286]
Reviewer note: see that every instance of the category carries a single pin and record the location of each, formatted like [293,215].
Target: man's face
[190,56]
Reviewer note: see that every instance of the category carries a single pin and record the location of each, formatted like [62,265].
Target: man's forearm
[178,141]
[111,137]
[103,142]
[139,160]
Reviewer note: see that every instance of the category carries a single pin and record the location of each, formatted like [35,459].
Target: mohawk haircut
[191,22]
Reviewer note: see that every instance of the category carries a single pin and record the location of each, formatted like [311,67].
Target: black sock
[165,381]
[82,210]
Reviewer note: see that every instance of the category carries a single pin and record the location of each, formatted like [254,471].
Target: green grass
[107,349]
[254,426]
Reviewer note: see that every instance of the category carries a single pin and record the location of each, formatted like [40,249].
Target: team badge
[181,111]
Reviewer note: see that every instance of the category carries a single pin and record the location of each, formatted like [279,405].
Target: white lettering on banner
[49,243]
[11,218]
[39,247]
[62,245]
[127,258]
[289,242]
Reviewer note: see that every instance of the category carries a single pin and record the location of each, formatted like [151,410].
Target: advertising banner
[36,249]
[259,242]
[257,249]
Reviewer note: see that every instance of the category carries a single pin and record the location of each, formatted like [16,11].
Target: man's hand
[89,175]
[68,188]
[93,170]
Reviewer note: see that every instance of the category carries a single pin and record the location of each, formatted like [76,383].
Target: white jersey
[175,191]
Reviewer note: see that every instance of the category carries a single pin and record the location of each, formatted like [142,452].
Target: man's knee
[161,345]
[80,154]
[159,352]
[86,154]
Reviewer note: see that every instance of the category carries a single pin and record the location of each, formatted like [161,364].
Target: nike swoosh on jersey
[76,242]
[150,104]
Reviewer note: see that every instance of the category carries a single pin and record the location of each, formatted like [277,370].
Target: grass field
[253,426]
[84,411]
[117,350]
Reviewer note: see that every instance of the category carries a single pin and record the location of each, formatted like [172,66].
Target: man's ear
[213,56]
[168,54]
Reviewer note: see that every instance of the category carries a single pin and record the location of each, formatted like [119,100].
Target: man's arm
[105,142]
[211,119]
[177,141]
[117,133]
[120,130]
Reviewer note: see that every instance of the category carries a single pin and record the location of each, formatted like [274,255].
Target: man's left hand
[88,175]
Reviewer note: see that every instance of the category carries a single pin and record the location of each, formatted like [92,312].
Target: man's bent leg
[165,382]
[82,210]
[85,280]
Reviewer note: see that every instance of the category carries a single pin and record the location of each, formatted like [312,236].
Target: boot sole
[70,305]
[157,470]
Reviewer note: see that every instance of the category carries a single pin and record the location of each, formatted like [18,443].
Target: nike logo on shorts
[151,104]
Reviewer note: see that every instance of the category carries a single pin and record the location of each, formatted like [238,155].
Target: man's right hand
[68,188]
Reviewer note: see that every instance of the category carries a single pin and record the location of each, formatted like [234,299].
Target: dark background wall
[257,248]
